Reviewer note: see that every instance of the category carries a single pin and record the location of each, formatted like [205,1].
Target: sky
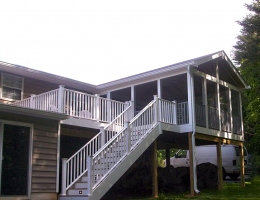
[97,41]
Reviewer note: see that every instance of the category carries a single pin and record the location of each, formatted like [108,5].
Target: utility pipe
[193,124]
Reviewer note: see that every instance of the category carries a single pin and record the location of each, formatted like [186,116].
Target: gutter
[193,133]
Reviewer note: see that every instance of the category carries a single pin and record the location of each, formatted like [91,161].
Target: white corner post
[58,159]
[192,122]
[32,101]
[64,176]
[90,175]
[102,130]
[97,109]
[60,98]
[128,137]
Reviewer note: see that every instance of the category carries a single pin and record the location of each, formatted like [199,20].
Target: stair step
[81,185]
[77,192]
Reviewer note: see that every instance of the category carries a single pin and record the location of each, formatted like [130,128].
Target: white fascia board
[145,77]
[32,112]
[221,55]
[233,67]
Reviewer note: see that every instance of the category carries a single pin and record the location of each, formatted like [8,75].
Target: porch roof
[32,112]
[156,73]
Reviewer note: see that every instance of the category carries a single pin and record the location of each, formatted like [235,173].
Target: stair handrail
[121,144]
[90,148]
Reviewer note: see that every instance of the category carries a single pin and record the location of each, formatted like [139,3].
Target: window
[12,87]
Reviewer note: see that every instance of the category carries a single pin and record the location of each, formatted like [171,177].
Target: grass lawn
[230,191]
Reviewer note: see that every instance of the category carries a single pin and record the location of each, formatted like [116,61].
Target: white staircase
[90,176]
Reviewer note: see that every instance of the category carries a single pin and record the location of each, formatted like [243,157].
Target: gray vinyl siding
[33,86]
[44,157]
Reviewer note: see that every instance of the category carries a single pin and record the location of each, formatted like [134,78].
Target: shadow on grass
[230,191]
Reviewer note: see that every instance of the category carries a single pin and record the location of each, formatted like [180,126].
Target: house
[62,136]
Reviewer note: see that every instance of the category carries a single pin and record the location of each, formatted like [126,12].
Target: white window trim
[1,88]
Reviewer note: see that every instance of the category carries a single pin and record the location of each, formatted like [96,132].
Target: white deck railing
[182,113]
[76,165]
[117,148]
[167,110]
[76,104]
[101,155]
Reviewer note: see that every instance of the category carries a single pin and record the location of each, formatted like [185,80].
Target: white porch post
[241,114]
[110,108]
[159,89]
[191,103]
[60,98]
[90,171]
[97,109]
[133,98]
[64,176]
[205,99]
[32,101]
[230,110]
[159,93]
[218,98]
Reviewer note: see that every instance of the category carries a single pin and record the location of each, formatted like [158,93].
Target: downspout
[193,124]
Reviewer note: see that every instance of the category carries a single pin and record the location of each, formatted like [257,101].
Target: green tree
[247,56]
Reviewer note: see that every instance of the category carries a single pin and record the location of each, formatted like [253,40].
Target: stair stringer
[125,164]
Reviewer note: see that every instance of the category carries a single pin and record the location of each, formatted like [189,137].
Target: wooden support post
[220,173]
[167,152]
[242,166]
[192,192]
[154,170]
